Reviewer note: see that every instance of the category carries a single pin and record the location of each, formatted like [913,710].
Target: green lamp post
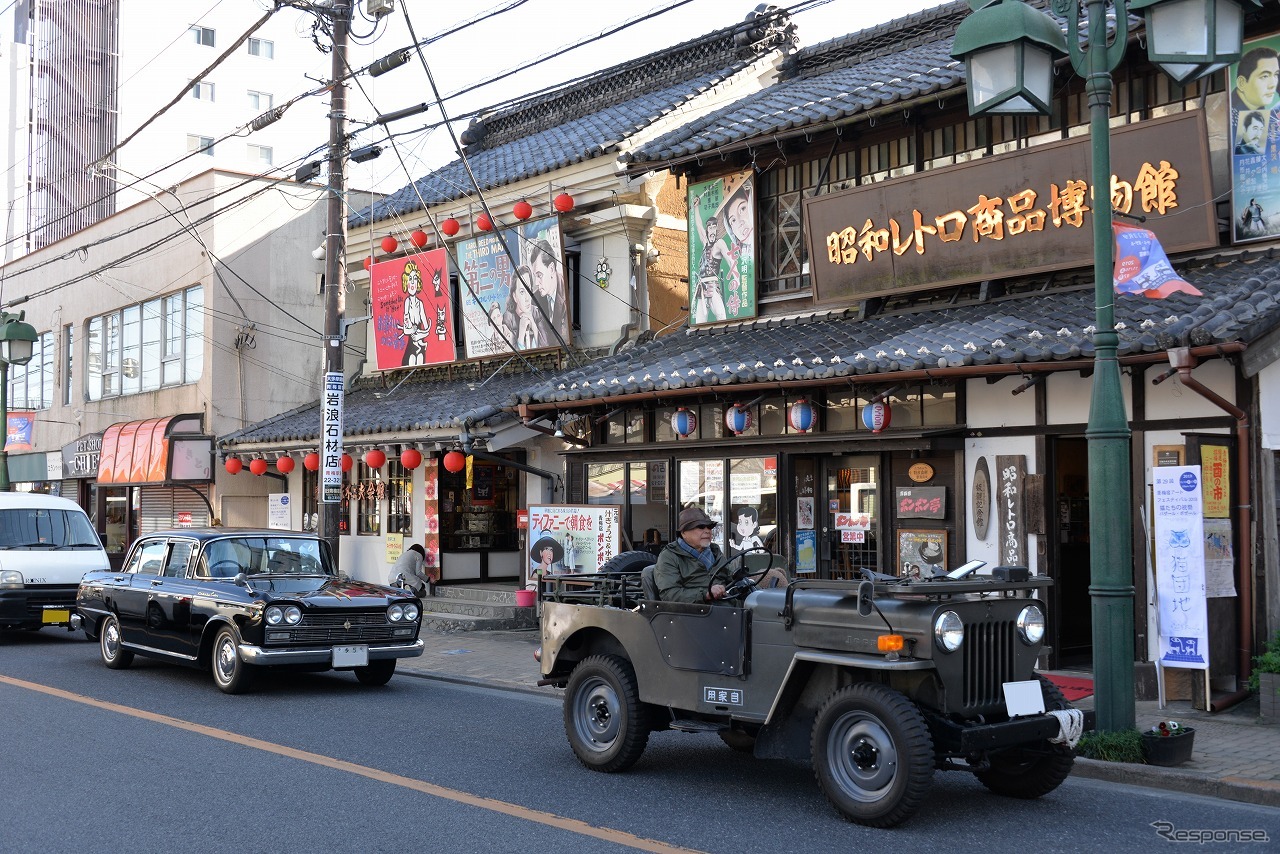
[1004,44]
[17,345]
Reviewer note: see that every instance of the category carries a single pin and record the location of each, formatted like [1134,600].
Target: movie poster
[1254,127]
[412,311]
[499,315]
[722,249]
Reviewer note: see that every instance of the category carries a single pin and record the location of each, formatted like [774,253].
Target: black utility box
[1010,573]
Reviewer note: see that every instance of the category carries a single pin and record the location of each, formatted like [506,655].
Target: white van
[46,545]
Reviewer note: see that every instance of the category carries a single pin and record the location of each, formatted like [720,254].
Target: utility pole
[334,379]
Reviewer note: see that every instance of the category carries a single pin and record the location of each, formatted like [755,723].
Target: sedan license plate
[56,615]
[1023,698]
[356,655]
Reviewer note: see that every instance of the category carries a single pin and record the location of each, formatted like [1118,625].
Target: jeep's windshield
[41,528]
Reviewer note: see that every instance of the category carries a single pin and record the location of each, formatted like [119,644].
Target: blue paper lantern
[876,416]
[803,416]
[684,422]
[738,419]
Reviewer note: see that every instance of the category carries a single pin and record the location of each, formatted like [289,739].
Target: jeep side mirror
[866,593]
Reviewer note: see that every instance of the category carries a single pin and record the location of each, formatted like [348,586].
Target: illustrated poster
[722,249]
[1254,126]
[572,538]
[412,311]
[1180,567]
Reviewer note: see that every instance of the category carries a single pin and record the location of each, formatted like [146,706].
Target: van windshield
[42,528]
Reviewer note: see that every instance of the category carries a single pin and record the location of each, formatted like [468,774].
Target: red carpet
[1072,687]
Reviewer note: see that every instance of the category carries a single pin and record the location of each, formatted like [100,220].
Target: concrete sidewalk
[1236,757]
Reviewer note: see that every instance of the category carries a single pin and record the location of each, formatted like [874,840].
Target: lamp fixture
[362,155]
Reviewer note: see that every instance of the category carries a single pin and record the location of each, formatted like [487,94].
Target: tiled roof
[410,408]
[892,63]
[587,119]
[1241,302]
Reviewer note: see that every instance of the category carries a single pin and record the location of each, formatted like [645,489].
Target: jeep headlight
[948,631]
[1031,625]
[10,578]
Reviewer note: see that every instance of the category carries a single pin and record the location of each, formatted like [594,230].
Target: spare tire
[628,562]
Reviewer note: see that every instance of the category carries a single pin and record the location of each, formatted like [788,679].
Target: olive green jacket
[681,577]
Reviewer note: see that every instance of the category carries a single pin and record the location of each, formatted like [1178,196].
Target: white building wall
[988,548]
[1068,398]
[995,405]
[1171,399]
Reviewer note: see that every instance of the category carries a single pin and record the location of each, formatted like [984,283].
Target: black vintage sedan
[243,601]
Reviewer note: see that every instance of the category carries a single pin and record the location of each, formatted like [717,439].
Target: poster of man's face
[722,249]
[1254,125]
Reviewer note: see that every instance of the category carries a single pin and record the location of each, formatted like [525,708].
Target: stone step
[482,593]
[476,608]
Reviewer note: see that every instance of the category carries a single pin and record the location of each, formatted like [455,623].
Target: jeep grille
[988,662]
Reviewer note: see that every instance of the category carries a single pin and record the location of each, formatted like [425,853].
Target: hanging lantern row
[410,458]
[738,419]
[450,226]
[802,416]
[684,422]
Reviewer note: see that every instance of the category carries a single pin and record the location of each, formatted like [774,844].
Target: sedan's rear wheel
[230,673]
[114,655]
[377,673]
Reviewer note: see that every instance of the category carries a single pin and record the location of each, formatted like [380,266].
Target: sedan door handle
[118,578]
[156,582]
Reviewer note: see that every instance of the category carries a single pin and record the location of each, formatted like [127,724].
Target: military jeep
[877,682]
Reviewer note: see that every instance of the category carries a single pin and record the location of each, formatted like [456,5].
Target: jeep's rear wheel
[872,754]
[1030,772]
[607,725]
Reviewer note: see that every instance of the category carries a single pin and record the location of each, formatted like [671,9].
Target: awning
[138,451]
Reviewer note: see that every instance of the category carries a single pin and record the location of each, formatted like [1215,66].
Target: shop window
[370,490]
[641,490]
[310,499]
[662,429]
[773,416]
[477,507]
[399,499]
[701,485]
[711,421]
[753,504]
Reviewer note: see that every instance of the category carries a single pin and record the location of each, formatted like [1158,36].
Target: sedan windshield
[226,558]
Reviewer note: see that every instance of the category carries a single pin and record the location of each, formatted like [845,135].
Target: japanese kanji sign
[1011,534]
[1179,550]
[1023,212]
[579,537]
[331,438]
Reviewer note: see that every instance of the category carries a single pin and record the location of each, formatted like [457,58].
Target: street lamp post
[17,345]
[1009,49]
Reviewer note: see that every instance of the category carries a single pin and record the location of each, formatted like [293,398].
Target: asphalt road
[155,758]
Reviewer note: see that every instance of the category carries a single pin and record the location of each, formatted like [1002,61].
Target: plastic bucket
[526,598]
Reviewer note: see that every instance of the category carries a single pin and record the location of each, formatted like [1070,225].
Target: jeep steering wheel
[741,580]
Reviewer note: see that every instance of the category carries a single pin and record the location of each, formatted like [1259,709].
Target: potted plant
[1168,744]
[1266,679]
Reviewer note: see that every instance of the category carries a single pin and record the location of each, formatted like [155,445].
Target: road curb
[476,682]
[1257,792]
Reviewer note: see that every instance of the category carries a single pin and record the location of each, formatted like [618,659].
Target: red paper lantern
[411,458]
[450,227]
[285,464]
[390,244]
[418,238]
[311,462]
[375,459]
[234,465]
[455,461]
[368,262]
[484,223]
[522,209]
[563,203]
[258,466]
[347,462]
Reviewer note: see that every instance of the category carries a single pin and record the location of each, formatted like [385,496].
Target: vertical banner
[1179,549]
[412,311]
[499,314]
[1215,463]
[1255,142]
[331,439]
[1012,535]
[431,512]
[806,552]
[722,249]
[18,431]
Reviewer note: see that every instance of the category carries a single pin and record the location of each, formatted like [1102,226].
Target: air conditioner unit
[378,8]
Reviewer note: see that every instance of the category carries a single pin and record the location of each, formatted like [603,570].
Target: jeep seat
[648,586]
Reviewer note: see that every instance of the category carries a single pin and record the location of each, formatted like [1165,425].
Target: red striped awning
[138,451]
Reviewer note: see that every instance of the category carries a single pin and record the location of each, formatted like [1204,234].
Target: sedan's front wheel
[230,674]
[377,672]
[114,655]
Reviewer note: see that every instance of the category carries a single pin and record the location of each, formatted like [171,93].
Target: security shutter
[166,507]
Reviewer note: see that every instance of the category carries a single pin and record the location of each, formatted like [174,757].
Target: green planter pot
[1168,750]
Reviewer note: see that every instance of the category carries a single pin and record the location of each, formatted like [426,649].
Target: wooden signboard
[981,510]
[1010,519]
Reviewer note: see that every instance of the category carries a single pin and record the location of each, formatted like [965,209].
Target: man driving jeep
[693,569]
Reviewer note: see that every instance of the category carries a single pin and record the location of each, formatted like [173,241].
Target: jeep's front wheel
[607,725]
[872,754]
[1030,772]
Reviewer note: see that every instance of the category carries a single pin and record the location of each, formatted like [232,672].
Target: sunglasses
[703,527]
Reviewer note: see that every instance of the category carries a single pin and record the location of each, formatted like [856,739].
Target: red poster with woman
[412,311]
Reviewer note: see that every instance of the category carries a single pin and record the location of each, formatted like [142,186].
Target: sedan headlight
[1031,625]
[395,613]
[10,578]
[948,631]
[292,615]
[410,612]
[274,615]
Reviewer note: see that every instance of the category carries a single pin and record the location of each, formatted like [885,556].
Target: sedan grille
[989,662]
[343,628]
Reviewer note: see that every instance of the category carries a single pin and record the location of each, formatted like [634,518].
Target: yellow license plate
[56,615]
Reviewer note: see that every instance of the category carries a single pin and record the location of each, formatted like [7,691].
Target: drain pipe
[1182,361]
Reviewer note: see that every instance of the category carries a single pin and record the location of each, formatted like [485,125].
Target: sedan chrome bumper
[251,654]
